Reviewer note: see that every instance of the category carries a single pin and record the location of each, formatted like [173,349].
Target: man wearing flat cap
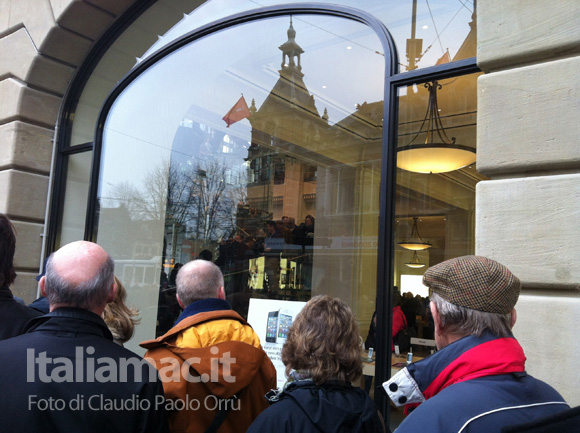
[476,382]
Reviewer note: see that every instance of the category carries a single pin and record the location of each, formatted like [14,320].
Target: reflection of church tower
[285,129]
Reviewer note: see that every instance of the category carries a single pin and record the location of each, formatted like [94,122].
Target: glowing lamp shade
[415,246]
[415,263]
[434,157]
[438,153]
[415,243]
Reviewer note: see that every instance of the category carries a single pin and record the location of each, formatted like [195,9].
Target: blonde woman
[120,318]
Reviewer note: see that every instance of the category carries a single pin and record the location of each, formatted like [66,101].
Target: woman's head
[324,342]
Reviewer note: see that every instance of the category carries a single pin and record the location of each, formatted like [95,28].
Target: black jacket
[67,375]
[304,407]
[13,315]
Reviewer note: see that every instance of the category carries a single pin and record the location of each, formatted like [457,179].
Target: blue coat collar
[203,306]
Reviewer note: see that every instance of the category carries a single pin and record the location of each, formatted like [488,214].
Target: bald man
[66,373]
[228,373]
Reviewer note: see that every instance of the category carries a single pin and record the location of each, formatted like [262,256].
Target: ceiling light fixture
[438,154]
[415,262]
[415,242]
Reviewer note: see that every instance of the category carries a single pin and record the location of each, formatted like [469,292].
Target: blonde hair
[324,342]
[120,318]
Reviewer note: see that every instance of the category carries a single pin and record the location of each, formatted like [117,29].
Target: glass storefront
[262,144]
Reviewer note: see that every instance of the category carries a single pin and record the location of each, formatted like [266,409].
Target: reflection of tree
[208,181]
[198,198]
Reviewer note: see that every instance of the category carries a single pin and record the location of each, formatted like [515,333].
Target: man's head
[80,275]
[7,249]
[470,295]
[199,279]
[270,226]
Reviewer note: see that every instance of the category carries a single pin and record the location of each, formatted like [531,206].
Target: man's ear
[41,283]
[514,318]
[112,293]
[436,317]
[179,302]
[222,293]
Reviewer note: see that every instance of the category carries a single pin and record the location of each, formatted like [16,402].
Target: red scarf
[501,356]
[491,358]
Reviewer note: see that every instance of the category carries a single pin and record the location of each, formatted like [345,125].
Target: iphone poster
[271,319]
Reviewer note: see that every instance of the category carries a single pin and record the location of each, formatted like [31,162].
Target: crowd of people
[67,370]
[244,275]
[277,239]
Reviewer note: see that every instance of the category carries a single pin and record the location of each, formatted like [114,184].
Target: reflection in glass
[426,33]
[78,171]
[285,199]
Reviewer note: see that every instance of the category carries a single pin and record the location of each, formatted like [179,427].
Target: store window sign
[271,319]
[354,242]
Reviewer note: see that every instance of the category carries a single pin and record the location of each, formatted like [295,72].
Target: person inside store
[322,359]
[13,315]
[306,237]
[228,373]
[53,378]
[478,373]
[399,325]
[273,246]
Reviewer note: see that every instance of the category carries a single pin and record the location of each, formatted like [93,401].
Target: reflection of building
[282,179]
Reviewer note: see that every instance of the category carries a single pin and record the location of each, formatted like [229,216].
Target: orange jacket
[206,360]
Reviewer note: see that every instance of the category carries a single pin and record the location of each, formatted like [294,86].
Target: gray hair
[465,321]
[198,279]
[88,295]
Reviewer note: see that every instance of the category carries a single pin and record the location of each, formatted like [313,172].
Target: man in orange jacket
[212,365]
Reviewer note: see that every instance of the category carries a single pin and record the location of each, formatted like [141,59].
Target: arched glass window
[425,34]
[259,146]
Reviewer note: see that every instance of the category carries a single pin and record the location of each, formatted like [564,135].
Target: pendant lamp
[438,154]
[415,262]
[415,242]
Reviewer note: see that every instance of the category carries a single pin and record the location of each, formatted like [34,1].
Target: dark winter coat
[474,385]
[66,375]
[13,315]
[304,407]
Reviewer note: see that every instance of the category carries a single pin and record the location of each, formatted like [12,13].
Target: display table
[397,363]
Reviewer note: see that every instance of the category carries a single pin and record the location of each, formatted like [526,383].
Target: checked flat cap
[475,282]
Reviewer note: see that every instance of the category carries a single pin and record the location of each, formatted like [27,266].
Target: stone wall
[42,44]
[528,214]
